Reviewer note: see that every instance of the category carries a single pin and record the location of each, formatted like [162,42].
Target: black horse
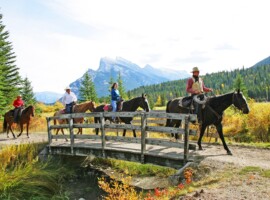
[129,106]
[212,113]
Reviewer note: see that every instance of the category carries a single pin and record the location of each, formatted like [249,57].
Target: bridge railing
[146,125]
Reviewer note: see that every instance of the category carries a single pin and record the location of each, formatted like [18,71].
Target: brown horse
[79,108]
[24,119]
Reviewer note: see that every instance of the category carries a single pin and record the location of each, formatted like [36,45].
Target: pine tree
[240,85]
[87,89]
[121,87]
[9,73]
[27,93]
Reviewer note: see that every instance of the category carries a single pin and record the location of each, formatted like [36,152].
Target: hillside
[256,80]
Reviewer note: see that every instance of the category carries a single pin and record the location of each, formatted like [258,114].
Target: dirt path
[250,186]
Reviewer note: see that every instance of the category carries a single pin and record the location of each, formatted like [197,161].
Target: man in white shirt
[69,99]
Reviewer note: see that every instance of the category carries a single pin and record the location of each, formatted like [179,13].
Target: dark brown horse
[24,119]
[131,106]
[212,113]
[79,108]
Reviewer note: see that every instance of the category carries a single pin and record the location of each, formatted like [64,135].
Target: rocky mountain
[133,75]
[47,97]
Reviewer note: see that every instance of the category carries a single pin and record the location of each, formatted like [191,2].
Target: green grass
[134,169]
[23,176]
[249,169]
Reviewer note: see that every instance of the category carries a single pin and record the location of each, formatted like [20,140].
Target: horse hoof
[229,153]
[200,148]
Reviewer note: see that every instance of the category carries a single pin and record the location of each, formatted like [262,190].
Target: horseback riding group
[209,110]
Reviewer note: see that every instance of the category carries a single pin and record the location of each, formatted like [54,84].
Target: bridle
[234,96]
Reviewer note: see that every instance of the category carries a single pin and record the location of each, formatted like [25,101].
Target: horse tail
[4,125]
[168,121]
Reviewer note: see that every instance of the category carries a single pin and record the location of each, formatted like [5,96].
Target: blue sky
[56,41]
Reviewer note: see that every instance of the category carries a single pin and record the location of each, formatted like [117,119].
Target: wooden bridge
[144,149]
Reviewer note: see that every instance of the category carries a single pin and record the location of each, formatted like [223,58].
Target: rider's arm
[206,89]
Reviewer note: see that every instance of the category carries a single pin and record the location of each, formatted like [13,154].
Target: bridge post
[143,136]
[49,133]
[103,141]
[70,121]
[186,139]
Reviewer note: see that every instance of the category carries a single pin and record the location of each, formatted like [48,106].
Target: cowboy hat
[195,69]
[67,88]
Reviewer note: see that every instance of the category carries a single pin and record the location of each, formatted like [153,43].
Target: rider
[115,97]
[18,106]
[195,86]
[69,100]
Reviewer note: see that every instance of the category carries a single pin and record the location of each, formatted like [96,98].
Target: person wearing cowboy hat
[18,106]
[69,100]
[195,86]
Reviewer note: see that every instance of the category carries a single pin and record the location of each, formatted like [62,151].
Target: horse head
[240,102]
[92,106]
[144,103]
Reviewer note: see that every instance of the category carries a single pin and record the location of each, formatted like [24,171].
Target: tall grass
[23,176]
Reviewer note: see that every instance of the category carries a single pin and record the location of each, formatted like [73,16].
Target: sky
[57,41]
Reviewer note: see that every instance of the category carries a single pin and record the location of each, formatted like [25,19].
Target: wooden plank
[87,125]
[122,114]
[123,139]
[71,134]
[122,126]
[186,142]
[95,137]
[163,142]
[60,136]
[59,126]
[165,129]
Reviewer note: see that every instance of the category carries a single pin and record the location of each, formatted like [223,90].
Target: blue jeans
[69,107]
[114,106]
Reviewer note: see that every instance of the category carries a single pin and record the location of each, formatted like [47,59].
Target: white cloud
[213,35]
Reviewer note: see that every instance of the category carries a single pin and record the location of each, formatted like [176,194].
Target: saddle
[189,101]
[109,108]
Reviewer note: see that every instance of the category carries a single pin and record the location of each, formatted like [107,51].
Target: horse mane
[27,109]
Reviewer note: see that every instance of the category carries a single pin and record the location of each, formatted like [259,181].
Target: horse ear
[238,91]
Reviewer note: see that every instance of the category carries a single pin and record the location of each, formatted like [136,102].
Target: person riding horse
[116,100]
[69,100]
[18,106]
[195,86]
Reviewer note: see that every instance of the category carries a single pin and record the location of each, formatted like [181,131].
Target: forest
[254,82]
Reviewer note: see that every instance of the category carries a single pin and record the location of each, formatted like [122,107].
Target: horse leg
[21,126]
[124,132]
[220,133]
[27,129]
[134,133]
[202,130]
[96,121]
[12,132]
[177,125]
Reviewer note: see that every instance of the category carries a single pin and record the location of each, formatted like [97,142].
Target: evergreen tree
[239,84]
[87,89]
[121,87]
[27,93]
[9,73]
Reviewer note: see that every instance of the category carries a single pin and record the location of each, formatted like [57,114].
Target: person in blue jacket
[115,97]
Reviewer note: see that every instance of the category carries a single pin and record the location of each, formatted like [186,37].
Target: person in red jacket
[195,86]
[18,106]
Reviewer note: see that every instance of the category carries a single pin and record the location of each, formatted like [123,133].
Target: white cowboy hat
[67,88]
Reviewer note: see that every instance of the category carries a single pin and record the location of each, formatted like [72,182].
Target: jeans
[69,107]
[114,106]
